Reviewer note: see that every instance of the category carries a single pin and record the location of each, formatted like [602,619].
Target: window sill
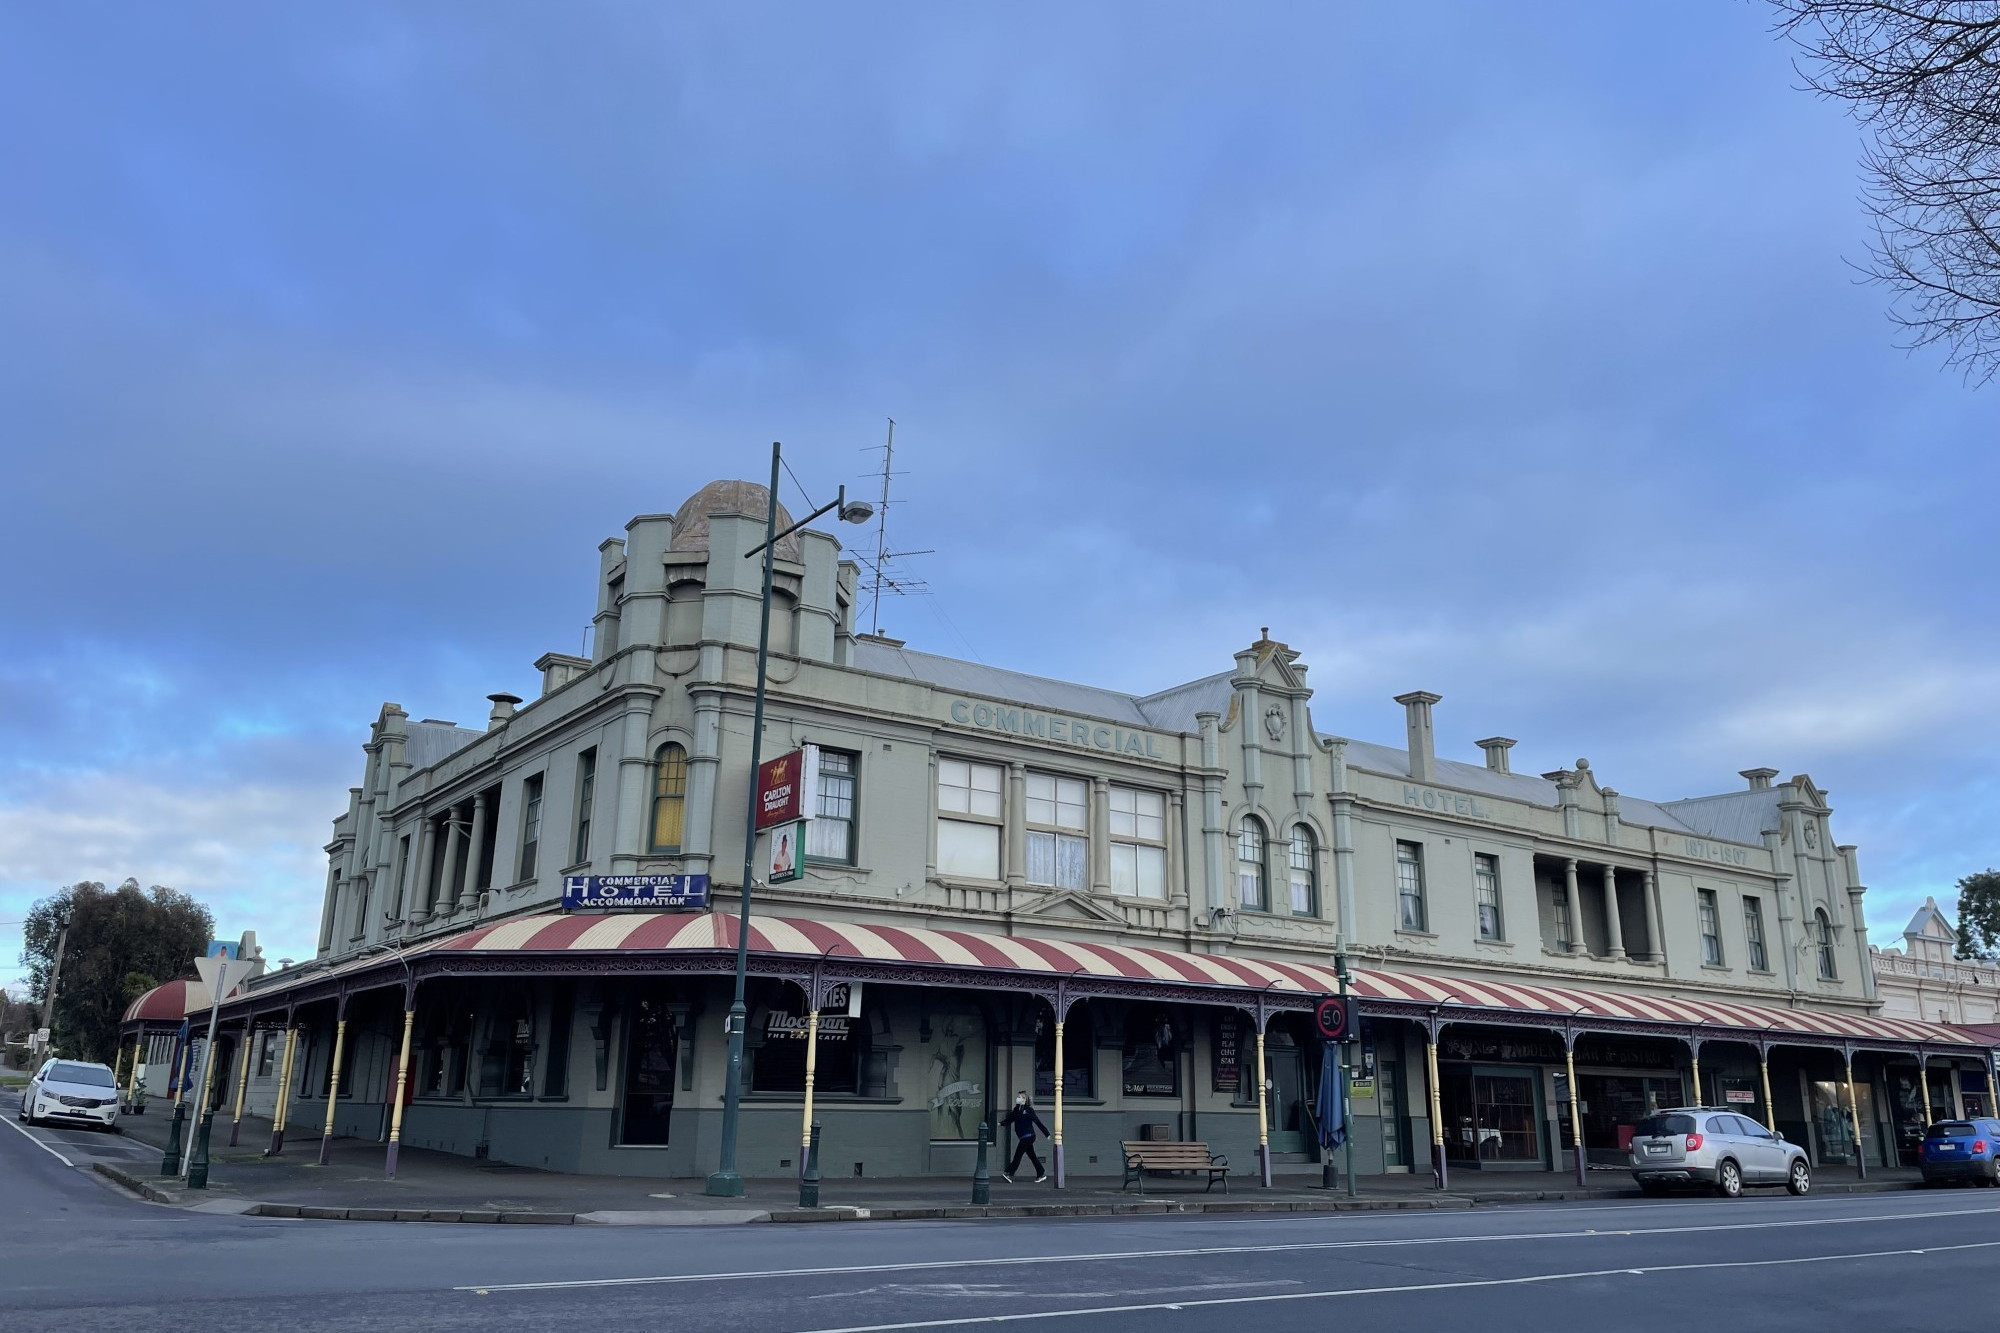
[1760,971]
[1716,967]
[1417,934]
[822,863]
[574,867]
[1494,944]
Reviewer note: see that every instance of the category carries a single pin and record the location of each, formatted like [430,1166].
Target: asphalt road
[75,1255]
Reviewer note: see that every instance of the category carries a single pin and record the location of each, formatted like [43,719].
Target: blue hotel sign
[670,892]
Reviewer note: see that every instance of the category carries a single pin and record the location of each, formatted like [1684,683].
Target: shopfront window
[956,1070]
[1152,1064]
[780,1061]
[1490,1118]
[1079,1054]
[652,1050]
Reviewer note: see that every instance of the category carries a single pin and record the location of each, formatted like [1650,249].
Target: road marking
[1212,1250]
[38,1143]
[1531,1279]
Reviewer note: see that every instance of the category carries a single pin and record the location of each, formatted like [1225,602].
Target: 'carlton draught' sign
[782,784]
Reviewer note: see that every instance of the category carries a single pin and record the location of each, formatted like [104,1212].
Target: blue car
[1961,1150]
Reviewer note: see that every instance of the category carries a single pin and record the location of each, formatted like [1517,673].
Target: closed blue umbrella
[1331,1109]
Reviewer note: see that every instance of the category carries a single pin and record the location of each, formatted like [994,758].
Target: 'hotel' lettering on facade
[1046,726]
[1447,802]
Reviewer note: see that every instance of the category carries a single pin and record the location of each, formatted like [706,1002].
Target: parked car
[1961,1150]
[1707,1145]
[71,1092]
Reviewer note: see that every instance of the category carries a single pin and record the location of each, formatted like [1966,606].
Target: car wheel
[1729,1180]
[1800,1179]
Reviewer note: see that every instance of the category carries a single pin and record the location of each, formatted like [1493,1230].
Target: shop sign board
[1226,1054]
[786,859]
[783,787]
[684,893]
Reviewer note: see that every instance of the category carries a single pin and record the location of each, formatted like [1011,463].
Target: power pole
[55,975]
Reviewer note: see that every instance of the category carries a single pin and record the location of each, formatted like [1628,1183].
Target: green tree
[1979,915]
[117,938]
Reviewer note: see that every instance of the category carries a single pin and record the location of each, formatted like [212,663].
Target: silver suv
[1706,1145]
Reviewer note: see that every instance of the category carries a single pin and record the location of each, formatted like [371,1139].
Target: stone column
[449,879]
[1577,944]
[1100,835]
[1614,925]
[420,887]
[468,897]
[1014,834]
[1654,950]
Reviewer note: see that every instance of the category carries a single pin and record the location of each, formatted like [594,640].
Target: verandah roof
[630,937]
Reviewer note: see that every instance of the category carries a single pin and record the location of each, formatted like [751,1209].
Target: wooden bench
[1162,1155]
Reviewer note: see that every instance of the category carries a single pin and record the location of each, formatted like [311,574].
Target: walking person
[1024,1122]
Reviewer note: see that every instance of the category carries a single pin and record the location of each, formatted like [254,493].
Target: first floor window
[1711,927]
[1410,886]
[830,835]
[362,887]
[531,825]
[670,785]
[968,826]
[1486,884]
[1138,842]
[1058,844]
[1305,872]
[1252,874]
[1823,930]
[1753,933]
[1559,901]
[586,797]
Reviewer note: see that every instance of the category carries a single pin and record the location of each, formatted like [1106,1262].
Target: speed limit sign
[1332,1018]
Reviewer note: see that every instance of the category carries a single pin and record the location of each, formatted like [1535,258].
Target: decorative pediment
[1069,905]
[1809,791]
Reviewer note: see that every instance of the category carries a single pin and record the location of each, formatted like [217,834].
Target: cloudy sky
[1509,351]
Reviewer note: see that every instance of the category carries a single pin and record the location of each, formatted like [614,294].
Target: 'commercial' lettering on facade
[1062,730]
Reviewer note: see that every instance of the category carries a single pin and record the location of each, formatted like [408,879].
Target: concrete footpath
[443,1187]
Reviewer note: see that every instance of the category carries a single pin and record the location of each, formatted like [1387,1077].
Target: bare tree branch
[1923,77]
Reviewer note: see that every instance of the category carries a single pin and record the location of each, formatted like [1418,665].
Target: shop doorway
[652,1050]
[1613,1104]
[1492,1117]
[1285,1067]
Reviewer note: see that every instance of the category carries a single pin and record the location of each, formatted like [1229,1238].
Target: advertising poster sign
[785,787]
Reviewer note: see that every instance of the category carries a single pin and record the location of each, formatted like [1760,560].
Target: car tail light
[1694,1143]
[1979,1145]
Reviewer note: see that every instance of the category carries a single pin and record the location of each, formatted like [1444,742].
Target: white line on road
[1211,1250]
[38,1143]
[1468,1284]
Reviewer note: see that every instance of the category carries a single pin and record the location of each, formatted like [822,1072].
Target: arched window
[670,784]
[1823,928]
[1305,872]
[1252,874]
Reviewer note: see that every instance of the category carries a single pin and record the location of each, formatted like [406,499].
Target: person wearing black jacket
[1024,1122]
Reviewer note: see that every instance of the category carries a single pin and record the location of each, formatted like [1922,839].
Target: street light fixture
[727,1181]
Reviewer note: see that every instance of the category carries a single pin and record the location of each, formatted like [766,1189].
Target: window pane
[954,786]
[1125,869]
[985,790]
[1041,798]
[829,839]
[1072,863]
[968,851]
[1072,803]
[1041,858]
[1152,872]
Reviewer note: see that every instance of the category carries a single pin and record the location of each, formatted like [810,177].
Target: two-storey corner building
[1126,904]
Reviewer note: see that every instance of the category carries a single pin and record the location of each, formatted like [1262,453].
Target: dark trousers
[1024,1147]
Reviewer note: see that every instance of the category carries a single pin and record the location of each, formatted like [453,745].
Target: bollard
[809,1182]
[1329,1176]
[982,1176]
[197,1178]
[170,1160]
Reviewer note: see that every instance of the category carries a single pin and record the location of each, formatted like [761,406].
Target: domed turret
[728,497]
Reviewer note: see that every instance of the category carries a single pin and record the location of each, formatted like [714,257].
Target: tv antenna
[882,579]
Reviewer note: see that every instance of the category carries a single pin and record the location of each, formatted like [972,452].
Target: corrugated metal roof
[433,742]
[1060,696]
[1174,709]
[1736,816]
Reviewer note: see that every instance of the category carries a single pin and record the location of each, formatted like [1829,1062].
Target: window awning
[789,944]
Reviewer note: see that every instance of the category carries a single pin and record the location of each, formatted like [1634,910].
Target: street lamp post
[727,1181]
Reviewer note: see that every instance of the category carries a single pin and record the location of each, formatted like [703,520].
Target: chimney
[503,709]
[1423,748]
[1496,748]
[1760,778]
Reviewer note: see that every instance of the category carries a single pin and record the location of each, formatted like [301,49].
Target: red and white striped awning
[976,952]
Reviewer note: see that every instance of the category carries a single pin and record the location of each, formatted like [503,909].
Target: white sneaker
[1004,1176]
[1039,1179]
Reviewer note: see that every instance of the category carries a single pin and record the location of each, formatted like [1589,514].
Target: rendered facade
[1128,900]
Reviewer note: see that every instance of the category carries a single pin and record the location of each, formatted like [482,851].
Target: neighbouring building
[1924,980]
[1130,902]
